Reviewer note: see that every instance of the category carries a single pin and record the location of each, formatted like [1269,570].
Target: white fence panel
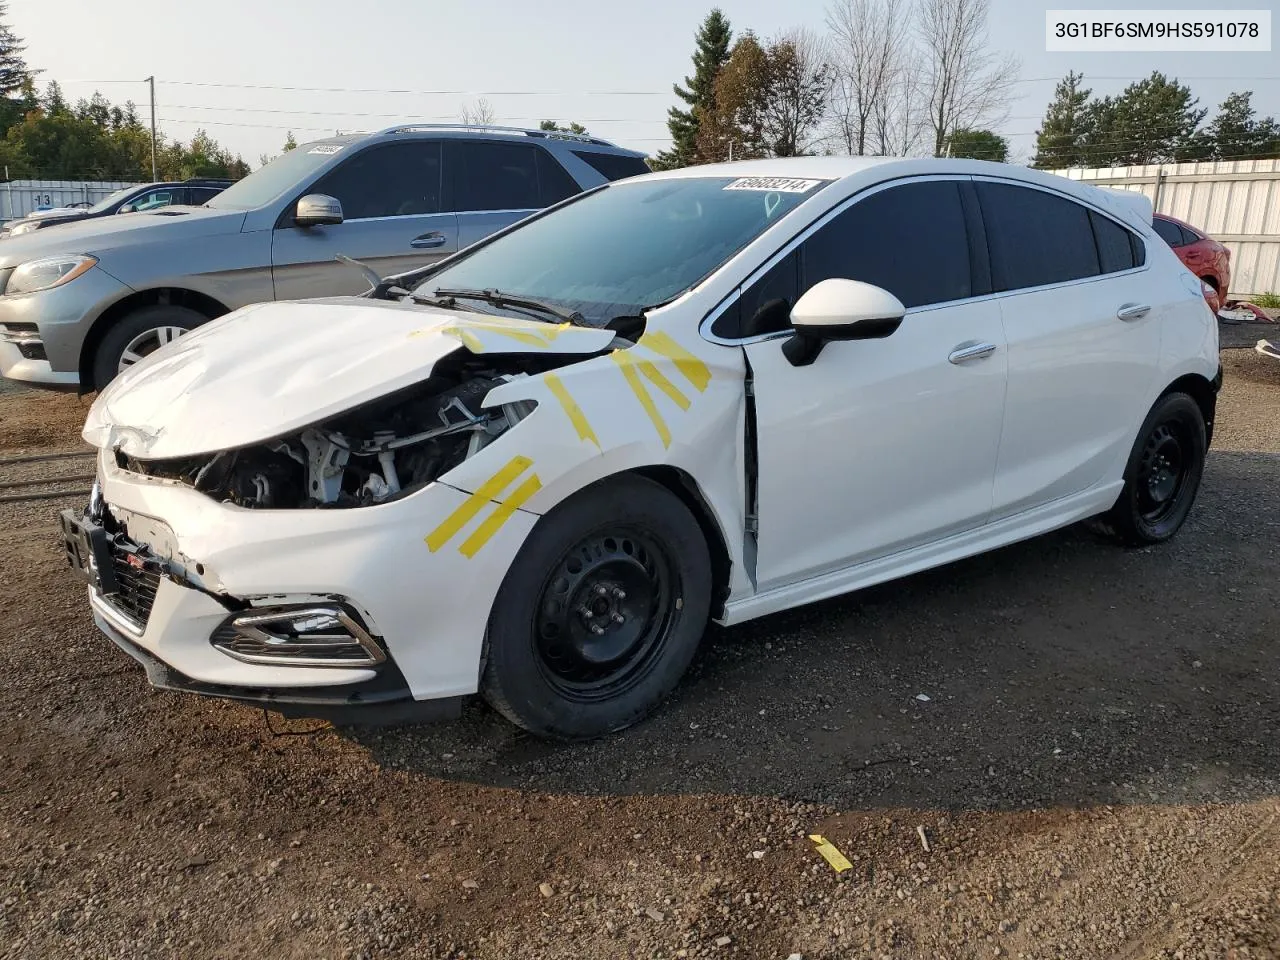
[1237,202]
[18,198]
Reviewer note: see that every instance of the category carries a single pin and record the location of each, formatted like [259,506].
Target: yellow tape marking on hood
[571,409]
[470,507]
[627,365]
[493,523]
[693,369]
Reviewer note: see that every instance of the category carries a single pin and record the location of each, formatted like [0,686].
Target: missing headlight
[373,454]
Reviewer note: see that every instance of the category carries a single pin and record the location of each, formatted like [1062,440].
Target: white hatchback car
[538,468]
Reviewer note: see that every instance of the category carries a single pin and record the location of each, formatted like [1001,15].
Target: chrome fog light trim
[310,636]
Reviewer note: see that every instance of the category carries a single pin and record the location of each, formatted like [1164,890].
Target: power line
[329,129]
[396,116]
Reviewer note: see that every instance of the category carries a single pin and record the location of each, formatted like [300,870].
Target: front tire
[138,334]
[600,613]
[1163,474]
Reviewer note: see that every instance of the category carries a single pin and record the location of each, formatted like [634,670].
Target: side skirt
[1031,523]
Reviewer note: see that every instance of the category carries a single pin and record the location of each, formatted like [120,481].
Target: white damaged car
[537,469]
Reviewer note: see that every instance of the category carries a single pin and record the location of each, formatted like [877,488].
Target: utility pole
[152,80]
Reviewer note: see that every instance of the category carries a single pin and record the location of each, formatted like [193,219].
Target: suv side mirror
[126,208]
[839,309]
[315,210]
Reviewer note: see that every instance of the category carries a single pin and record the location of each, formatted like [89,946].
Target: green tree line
[43,136]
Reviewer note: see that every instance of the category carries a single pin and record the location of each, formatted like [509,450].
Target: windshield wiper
[500,299]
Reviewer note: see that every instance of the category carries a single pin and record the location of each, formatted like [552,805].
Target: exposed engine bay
[372,454]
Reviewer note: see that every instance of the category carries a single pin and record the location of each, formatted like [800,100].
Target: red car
[1202,255]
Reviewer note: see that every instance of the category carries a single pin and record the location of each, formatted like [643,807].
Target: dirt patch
[1096,772]
[40,418]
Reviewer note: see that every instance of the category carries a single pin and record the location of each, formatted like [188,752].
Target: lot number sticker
[775,184]
[326,148]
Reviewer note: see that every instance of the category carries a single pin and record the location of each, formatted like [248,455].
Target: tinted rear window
[1036,238]
[611,166]
[1169,232]
[1115,250]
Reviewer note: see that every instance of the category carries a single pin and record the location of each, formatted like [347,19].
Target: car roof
[462,131]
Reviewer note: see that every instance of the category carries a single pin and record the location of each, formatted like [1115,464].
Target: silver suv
[81,302]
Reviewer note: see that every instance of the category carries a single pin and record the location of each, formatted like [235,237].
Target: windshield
[629,246]
[285,172]
[103,205]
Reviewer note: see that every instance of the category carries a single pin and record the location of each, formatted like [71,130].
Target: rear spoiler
[1133,203]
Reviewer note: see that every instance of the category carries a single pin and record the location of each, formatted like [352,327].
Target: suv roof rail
[494,128]
[209,181]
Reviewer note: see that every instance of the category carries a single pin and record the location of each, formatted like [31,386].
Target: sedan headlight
[24,227]
[48,273]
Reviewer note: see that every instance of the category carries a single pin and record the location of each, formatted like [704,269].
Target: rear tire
[601,611]
[1163,474]
[138,334]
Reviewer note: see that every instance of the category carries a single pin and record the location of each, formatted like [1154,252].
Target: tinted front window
[201,195]
[1169,232]
[611,166]
[106,203]
[911,240]
[626,247]
[1115,249]
[1035,238]
[389,180]
[493,176]
[154,200]
[286,173]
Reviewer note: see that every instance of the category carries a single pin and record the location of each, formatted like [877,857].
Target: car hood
[96,235]
[271,369]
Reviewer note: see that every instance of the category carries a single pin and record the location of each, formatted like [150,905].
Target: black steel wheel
[600,613]
[1163,472]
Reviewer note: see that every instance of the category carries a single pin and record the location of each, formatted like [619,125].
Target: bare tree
[898,125]
[966,83]
[869,44]
[798,83]
[478,114]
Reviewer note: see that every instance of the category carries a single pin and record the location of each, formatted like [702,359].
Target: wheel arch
[1203,392]
[202,303]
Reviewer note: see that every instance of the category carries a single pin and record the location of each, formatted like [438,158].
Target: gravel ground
[1096,771]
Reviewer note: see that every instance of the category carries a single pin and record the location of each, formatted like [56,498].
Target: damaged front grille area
[370,455]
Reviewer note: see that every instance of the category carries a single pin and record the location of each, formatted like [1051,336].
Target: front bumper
[384,699]
[430,609]
[43,333]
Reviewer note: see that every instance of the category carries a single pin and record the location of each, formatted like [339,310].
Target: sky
[225,67]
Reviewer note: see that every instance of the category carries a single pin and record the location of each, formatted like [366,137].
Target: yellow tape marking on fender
[693,369]
[493,523]
[571,409]
[660,381]
[839,862]
[627,365]
[467,511]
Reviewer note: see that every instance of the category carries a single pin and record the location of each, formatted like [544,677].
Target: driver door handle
[971,350]
[1133,311]
[428,241]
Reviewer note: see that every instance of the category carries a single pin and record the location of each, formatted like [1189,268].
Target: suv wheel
[138,334]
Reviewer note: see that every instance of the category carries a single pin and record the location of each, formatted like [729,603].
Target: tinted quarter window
[1188,237]
[494,176]
[765,306]
[389,180]
[1115,249]
[1035,238]
[611,166]
[554,181]
[910,240]
[1169,232]
[201,195]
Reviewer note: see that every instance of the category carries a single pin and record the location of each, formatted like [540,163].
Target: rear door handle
[971,350]
[428,240]
[1133,311]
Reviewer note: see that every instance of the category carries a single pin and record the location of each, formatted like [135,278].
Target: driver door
[392,220]
[879,445]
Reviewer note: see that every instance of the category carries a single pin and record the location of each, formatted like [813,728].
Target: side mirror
[127,208]
[315,210]
[839,309]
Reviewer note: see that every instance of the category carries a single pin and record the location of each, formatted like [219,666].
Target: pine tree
[712,40]
[1236,133]
[1060,139]
[13,68]
[1153,121]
